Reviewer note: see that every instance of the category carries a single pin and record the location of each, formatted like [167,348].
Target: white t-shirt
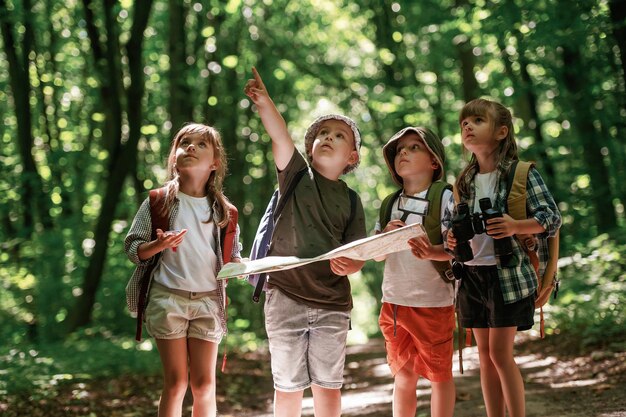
[482,245]
[193,266]
[409,281]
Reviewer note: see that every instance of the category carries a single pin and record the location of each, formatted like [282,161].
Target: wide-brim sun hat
[430,139]
[311,132]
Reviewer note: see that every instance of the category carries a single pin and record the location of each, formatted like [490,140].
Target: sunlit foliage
[89,100]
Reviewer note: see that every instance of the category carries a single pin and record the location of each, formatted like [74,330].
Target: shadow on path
[572,386]
[553,387]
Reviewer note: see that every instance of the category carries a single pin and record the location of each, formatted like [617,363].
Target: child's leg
[501,352]
[288,404]
[489,378]
[442,399]
[286,323]
[202,361]
[326,401]
[404,391]
[174,359]
[326,356]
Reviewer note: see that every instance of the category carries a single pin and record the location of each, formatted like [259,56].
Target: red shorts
[423,338]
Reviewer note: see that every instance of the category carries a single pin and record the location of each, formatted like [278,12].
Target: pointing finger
[257,77]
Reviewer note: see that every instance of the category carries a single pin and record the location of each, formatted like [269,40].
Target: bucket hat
[311,132]
[430,139]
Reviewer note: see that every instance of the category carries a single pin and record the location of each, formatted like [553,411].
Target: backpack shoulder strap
[384,214]
[159,219]
[353,198]
[284,197]
[517,178]
[227,233]
[432,221]
[432,225]
[266,230]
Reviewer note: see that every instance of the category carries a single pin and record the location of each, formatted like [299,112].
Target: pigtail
[215,183]
[464,179]
[221,204]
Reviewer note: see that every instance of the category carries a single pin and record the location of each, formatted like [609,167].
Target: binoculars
[466,225]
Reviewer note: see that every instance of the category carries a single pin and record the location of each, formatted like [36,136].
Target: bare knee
[175,385]
[484,351]
[406,379]
[203,386]
[330,393]
[288,396]
[288,403]
[501,358]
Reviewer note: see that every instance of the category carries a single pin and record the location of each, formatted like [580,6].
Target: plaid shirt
[141,232]
[519,281]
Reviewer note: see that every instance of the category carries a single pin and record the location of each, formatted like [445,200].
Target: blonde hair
[214,184]
[499,116]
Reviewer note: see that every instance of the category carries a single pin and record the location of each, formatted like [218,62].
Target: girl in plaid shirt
[496,296]
[185,312]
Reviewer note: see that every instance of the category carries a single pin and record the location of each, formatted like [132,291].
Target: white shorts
[170,314]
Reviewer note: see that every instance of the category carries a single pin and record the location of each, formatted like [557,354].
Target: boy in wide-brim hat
[417,316]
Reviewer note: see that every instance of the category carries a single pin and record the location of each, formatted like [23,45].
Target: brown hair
[499,116]
[214,184]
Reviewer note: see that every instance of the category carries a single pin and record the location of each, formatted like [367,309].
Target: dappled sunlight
[534,361]
[578,383]
[351,403]
[92,92]
[555,386]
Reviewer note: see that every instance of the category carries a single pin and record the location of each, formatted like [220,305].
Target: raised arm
[282,144]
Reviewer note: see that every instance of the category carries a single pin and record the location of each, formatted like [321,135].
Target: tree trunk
[529,105]
[181,102]
[383,26]
[38,222]
[121,159]
[618,18]
[617,10]
[33,196]
[594,161]
[471,90]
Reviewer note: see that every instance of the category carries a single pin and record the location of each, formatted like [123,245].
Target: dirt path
[590,386]
[578,387]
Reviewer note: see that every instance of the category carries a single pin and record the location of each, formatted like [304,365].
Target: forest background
[91,93]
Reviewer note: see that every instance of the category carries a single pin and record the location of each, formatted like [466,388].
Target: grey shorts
[174,316]
[307,345]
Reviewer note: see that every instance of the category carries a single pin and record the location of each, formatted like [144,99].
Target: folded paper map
[362,249]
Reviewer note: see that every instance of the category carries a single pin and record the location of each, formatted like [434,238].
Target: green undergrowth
[590,311]
[84,356]
[589,314]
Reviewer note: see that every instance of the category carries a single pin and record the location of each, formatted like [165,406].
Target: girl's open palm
[255,89]
[170,239]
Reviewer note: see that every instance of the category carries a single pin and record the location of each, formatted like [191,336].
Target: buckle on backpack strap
[449,275]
